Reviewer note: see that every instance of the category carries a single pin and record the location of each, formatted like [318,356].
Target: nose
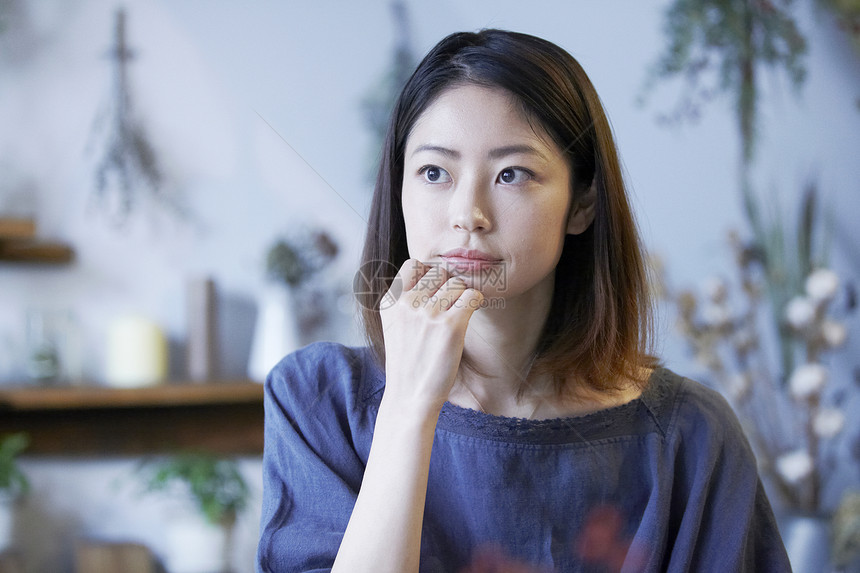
[469,210]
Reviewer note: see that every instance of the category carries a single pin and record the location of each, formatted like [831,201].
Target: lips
[470,262]
[469,256]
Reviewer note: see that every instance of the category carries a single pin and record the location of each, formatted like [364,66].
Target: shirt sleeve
[312,467]
[721,516]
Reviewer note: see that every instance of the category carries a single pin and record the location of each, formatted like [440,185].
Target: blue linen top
[665,482]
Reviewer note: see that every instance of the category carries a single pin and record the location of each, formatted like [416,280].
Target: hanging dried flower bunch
[379,102]
[128,171]
[719,46]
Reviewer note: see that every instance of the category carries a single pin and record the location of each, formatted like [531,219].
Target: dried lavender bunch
[129,170]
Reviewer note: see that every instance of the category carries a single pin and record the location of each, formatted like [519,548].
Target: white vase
[807,542]
[7,519]
[194,545]
[275,333]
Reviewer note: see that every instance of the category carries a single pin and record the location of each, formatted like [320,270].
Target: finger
[432,280]
[470,300]
[417,282]
[410,273]
[449,293]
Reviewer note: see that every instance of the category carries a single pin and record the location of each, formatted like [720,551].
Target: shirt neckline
[636,417]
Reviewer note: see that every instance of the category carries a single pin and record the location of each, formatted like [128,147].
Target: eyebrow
[496,153]
[439,149]
[500,152]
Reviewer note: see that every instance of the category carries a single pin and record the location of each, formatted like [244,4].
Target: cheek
[541,228]
[419,221]
[537,239]
[543,249]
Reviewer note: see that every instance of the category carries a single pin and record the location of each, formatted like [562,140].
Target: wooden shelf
[223,417]
[18,244]
[41,252]
[175,394]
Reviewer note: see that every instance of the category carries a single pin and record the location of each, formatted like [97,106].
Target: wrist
[409,413]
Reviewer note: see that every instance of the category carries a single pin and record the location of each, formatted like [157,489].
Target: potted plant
[290,264]
[200,541]
[13,483]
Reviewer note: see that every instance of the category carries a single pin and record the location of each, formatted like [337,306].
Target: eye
[434,174]
[514,175]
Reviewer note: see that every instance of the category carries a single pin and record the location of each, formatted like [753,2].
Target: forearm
[384,530]
[424,337]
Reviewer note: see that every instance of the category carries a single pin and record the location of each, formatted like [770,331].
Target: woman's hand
[424,330]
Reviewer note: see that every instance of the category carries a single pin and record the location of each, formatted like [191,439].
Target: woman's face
[484,194]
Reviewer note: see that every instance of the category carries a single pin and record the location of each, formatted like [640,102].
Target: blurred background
[184,188]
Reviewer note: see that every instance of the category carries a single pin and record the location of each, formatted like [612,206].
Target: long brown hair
[600,321]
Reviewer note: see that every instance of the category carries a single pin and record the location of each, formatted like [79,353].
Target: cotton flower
[834,333]
[738,386]
[715,290]
[822,285]
[794,466]
[745,340]
[800,312]
[828,422]
[707,358]
[716,315]
[807,380]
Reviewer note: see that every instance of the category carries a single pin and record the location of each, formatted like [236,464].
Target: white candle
[136,353]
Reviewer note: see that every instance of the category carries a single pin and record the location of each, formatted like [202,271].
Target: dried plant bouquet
[765,338]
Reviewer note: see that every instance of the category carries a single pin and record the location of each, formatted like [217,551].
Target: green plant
[214,483]
[379,101]
[292,262]
[785,256]
[846,530]
[13,482]
[847,14]
[720,46]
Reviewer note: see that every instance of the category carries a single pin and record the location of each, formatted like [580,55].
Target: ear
[582,211]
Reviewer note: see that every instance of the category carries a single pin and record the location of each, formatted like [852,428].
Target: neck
[500,345]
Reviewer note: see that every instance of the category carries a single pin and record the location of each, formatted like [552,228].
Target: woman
[506,415]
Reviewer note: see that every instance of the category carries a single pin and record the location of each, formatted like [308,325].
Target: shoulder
[719,517]
[324,373]
[702,419]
